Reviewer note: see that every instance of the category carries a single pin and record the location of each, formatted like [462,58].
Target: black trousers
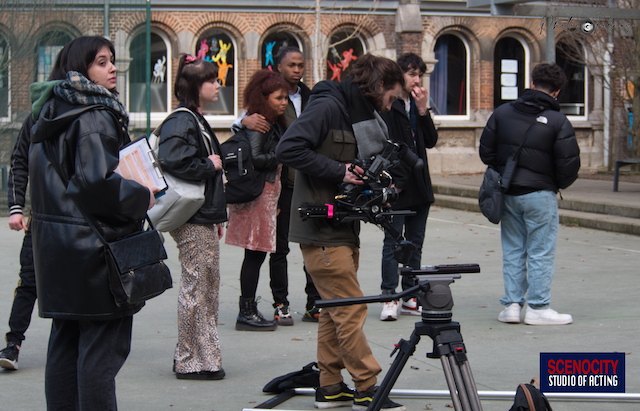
[25,295]
[83,360]
[278,266]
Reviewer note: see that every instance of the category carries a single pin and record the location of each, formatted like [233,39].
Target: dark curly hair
[411,61]
[261,85]
[369,71]
[548,77]
[190,78]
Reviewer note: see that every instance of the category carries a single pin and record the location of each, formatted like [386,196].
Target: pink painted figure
[204,48]
[336,69]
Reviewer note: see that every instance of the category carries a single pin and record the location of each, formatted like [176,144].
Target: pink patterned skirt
[252,225]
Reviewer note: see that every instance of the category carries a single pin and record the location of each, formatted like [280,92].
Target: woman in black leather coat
[90,336]
[189,150]
[252,225]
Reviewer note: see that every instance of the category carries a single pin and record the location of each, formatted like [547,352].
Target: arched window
[273,43]
[449,80]
[345,47]
[217,46]
[47,49]
[572,97]
[160,66]
[510,71]
[4,77]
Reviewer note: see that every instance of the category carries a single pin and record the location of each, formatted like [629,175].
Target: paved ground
[596,281]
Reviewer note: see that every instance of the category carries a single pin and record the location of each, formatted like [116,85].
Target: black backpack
[529,398]
[244,182]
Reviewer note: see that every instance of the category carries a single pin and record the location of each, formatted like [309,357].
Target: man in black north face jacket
[549,161]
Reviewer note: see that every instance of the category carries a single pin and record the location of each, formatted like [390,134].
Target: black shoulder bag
[135,263]
[495,185]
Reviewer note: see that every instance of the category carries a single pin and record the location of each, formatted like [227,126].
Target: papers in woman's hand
[139,163]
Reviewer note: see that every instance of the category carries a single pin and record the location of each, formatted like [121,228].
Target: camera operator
[410,123]
[340,122]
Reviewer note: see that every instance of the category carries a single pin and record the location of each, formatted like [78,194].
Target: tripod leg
[457,377]
[406,350]
[450,383]
[471,385]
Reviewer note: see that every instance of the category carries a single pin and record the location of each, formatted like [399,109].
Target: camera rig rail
[371,201]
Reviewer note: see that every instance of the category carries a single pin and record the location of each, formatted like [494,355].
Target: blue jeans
[412,228]
[529,232]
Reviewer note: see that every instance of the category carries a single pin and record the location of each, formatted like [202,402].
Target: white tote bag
[183,198]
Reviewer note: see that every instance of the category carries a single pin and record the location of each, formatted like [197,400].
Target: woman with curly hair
[252,225]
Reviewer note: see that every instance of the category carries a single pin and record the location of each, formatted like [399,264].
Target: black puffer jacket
[69,259]
[182,153]
[550,156]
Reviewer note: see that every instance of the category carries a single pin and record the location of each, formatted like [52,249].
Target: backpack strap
[527,394]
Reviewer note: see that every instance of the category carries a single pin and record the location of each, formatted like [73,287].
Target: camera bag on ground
[244,182]
[308,377]
[183,198]
[494,185]
[529,398]
[135,263]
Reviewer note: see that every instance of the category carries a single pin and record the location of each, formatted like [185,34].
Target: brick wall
[458,140]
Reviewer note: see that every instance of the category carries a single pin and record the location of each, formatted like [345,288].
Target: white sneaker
[546,317]
[410,307]
[389,311]
[511,314]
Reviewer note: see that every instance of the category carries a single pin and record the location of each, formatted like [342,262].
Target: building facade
[475,61]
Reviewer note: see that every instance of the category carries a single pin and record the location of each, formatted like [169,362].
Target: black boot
[250,319]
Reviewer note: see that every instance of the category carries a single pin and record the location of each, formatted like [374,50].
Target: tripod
[435,298]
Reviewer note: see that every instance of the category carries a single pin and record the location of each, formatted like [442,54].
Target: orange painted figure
[336,69]
[223,67]
[348,57]
[221,60]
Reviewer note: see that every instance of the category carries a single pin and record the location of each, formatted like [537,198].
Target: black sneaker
[282,316]
[343,397]
[362,399]
[312,315]
[9,357]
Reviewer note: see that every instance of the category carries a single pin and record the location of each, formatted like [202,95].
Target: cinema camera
[371,201]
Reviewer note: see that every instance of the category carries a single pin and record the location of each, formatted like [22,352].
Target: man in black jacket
[341,123]
[409,123]
[549,161]
[25,295]
[291,67]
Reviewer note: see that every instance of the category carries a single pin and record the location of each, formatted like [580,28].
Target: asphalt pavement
[596,281]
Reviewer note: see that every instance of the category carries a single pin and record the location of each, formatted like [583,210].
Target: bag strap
[48,148]
[206,137]
[526,133]
[527,394]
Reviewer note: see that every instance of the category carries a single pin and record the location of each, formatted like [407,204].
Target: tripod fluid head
[435,294]
[432,286]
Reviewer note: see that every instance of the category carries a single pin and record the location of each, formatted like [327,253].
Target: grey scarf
[77,89]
